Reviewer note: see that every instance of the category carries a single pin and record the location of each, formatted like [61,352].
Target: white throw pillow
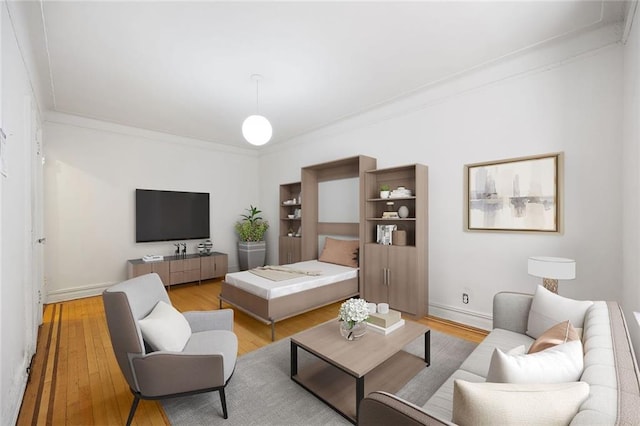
[561,363]
[165,329]
[548,309]
[493,404]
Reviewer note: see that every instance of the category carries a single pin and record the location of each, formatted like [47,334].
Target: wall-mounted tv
[171,215]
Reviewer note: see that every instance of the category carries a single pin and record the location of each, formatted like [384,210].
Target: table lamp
[552,269]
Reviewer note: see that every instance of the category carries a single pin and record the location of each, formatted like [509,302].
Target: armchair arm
[511,311]
[166,373]
[382,408]
[221,319]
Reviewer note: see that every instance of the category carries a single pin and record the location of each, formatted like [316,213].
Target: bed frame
[269,311]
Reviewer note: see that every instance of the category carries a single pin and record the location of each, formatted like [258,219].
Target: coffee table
[345,371]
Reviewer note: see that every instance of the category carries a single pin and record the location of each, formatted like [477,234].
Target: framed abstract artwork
[514,195]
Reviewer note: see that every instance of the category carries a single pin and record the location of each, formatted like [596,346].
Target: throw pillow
[561,363]
[476,404]
[548,309]
[165,329]
[340,252]
[518,350]
[558,334]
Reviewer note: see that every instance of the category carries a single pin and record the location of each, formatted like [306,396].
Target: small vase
[353,333]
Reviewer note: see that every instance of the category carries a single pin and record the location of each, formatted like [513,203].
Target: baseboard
[462,316]
[21,384]
[77,293]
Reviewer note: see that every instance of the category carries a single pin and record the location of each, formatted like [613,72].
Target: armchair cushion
[165,329]
[210,320]
[212,342]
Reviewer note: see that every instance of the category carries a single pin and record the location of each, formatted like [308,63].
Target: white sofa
[610,369]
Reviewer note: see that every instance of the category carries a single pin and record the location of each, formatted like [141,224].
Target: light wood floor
[75,378]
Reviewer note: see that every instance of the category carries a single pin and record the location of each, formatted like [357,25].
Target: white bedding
[267,289]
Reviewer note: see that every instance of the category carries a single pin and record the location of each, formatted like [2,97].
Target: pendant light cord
[257,103]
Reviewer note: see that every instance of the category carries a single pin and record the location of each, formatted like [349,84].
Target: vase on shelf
[353,331]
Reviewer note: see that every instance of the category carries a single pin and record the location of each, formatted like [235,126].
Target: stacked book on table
[385,323]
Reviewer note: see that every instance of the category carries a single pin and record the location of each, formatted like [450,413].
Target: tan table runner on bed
[281,273]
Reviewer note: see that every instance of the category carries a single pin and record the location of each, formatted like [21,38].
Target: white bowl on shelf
[291,216]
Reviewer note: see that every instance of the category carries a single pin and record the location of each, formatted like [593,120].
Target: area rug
[262,393]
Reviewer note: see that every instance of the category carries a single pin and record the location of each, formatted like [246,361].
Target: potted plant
[252,248]
[384,191]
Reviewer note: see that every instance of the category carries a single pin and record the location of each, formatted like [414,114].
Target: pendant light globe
[257,130]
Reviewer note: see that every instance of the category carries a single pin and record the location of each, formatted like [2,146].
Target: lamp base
[550,284]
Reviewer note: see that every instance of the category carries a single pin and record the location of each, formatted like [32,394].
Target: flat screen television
[171,215]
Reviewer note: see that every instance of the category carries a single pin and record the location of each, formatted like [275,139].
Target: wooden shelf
[397,274]
[289,247]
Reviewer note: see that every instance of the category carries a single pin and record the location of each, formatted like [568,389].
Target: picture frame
[514,195]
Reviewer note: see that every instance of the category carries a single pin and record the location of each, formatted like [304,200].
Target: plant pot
[251,254]
[384,194]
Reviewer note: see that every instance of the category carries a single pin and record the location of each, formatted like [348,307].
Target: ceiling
[184,68]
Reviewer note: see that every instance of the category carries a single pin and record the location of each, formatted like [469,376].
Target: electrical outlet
[465,298]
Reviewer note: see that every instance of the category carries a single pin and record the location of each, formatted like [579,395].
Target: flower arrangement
[354,311]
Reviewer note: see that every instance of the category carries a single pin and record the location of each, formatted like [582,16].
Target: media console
[181,269]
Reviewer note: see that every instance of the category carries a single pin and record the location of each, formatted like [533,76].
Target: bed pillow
[517,404]
[561,363]
[548,309]
[340,252]
[558,334]
[165,329]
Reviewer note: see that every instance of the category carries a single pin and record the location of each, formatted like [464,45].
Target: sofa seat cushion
[478,362]
[440,405]
[210,342]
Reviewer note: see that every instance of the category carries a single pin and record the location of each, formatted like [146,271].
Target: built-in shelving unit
[290,233]
[397,273]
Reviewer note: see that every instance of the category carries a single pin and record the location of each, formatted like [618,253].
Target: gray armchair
[205,364]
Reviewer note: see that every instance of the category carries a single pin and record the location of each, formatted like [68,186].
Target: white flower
[354,311]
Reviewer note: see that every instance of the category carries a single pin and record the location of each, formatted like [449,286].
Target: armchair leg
[223,401]
[132,411]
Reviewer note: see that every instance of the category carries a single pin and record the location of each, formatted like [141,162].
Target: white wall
[17,307]
[533,104]
[92,170]
[631,182]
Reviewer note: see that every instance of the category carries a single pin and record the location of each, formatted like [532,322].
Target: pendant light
[256,129]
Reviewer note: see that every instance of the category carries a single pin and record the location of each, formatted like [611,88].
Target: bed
[318,283]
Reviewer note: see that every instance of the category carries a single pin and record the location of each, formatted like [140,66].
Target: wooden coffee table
[348,370]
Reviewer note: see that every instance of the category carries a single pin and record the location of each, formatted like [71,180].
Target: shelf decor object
[518,195]
[552,269]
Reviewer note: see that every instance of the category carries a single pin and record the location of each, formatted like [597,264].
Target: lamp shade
[558,268]
[256,130]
